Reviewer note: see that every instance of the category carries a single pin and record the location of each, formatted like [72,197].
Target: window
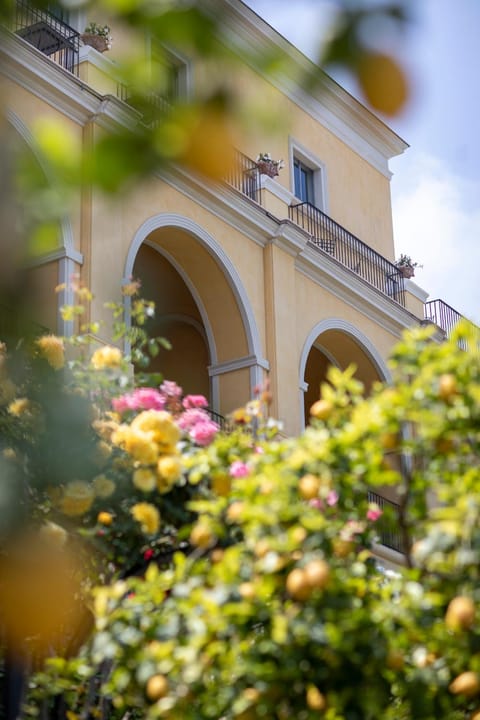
[171,72]
[308,176]
[303,181]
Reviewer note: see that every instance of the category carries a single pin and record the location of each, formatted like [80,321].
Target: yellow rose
[136,443]
[144,479]
[148,517]
[19,406]
[52,349]
[106,357]
[161,426]
[169,470]
[103,486]
[77,498]
[105,518]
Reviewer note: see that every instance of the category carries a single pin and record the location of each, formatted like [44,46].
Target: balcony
[245,177]
[48,33]
[329,237]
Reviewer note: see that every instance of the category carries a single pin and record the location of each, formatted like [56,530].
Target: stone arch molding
[255,359]
[363,341]
[67,233]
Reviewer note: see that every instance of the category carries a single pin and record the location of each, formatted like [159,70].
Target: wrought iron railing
[388,524]
[245,177]
[330,237]
[438,312]
[48,33]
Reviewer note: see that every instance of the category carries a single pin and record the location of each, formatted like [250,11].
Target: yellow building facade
[254,276]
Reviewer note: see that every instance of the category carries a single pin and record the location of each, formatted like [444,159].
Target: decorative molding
[100,61]
[355,291]
[279,191]
[238,364]
[31,69]
[416,290]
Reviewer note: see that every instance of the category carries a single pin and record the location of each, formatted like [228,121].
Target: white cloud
[437,223]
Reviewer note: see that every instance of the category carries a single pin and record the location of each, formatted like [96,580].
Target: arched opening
[339,344]
[177,319]
[201,308]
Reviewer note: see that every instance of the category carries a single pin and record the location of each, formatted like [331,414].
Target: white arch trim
[67,233]
[339,324]
[233,279]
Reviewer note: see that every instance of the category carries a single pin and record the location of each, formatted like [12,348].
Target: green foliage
[279,608]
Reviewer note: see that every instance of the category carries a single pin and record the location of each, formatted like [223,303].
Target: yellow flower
[77,498]
[52,349]
[102,453]
[144,479]
[106,357]
[19,406]
[136,443]
[51,532]
[169,470]
[148,516]
[105,428]
[7,391]
[103,486]
[161,426]
[105,518]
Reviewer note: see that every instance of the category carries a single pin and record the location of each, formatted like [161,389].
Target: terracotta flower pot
[407,271]
[268,167]
[98,42]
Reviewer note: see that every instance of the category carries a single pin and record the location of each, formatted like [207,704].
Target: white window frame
[297,151]
[180,62]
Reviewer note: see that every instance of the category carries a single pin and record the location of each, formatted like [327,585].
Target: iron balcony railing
[48,33]
[438,312]
[245,177]
[388,524]
[330,237]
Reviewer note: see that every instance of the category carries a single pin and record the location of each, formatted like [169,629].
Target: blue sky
[436,182]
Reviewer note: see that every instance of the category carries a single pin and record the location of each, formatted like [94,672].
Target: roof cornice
[330,104]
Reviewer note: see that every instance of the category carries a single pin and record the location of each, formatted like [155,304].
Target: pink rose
[194,401]
[239,469]
[204,432]
[332,498]
[374,512]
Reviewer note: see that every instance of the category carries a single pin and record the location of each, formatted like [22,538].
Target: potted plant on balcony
[267,166]
[406,266]
[97,36]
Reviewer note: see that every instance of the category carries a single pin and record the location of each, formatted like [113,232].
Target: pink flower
[316,503]
[144,398]
[190,418]
[332,498]
[194,401]
[148,554]
[171,389]
[374,512]
[239,469]
[203,432]
[259,450]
